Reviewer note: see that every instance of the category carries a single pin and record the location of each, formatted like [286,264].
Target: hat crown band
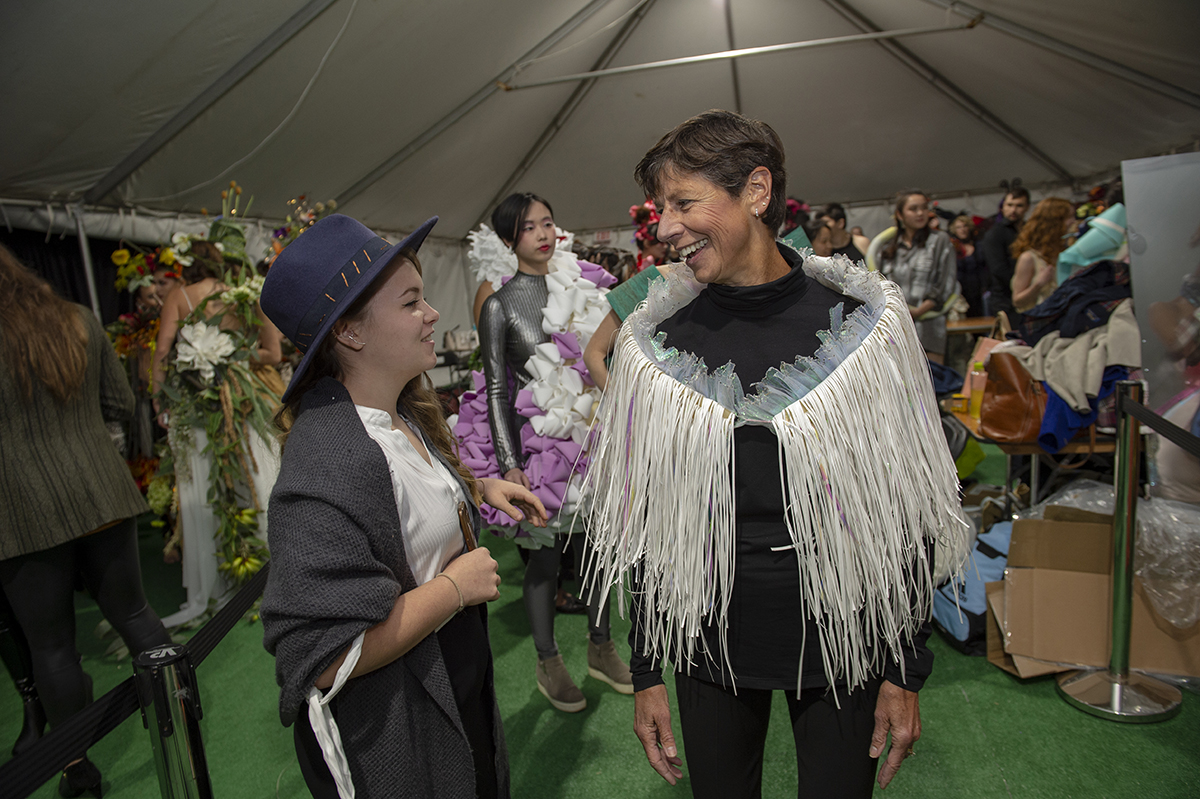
[340,284]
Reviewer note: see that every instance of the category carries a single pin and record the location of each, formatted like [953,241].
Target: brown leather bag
[1013,402]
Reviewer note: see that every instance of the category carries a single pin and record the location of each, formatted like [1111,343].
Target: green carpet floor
[986,734]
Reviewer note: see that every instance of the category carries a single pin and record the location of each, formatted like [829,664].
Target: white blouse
[427,500]
[427,497]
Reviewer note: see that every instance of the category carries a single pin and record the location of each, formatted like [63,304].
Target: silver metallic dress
[510,328]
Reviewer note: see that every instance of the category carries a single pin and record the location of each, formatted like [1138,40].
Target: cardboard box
[1019,665]
[1056,604]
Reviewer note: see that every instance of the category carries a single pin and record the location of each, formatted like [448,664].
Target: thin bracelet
[461,602]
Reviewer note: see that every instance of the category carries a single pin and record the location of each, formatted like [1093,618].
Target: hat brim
[412,241]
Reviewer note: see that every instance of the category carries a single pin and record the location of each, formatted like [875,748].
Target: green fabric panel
[625,297]
[798,239]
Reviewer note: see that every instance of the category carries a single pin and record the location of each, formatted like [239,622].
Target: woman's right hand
[517,475]
[160,416]
[476,575]
[652,724]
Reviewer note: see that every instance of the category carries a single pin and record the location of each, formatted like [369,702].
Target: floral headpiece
[644,216]
[180,251]
[136,269]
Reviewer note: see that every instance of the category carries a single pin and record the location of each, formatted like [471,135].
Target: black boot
[80,777]
[35,718]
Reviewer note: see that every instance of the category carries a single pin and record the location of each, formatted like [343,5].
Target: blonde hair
[42,334]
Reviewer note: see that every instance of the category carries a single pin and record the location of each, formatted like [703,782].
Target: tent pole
[734,54]
[568,108]
[733,70]
[86,252]
[468,105]
[1060,47]
[950,90]
[248,63]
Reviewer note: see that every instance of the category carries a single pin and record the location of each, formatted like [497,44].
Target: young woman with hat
[374,609]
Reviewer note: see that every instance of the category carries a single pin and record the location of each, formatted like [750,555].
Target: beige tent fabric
[86,83]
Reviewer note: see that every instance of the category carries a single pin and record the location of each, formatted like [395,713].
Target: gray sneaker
[606,665]
[556,685]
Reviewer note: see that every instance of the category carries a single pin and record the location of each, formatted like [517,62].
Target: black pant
[467,655]
[724,735]
[41,589]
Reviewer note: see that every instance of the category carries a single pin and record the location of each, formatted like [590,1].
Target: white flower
[220,247]
[184,260]
[179,238]
[249,291]
[201,348]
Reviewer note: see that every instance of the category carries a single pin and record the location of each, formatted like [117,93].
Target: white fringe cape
[868,479]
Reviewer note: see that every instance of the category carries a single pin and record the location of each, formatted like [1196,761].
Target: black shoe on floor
[80,777]
[566,602]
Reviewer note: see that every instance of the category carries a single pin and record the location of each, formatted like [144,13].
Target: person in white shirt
[374,608]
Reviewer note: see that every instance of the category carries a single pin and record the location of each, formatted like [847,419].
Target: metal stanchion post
[1116,693]
[170,700]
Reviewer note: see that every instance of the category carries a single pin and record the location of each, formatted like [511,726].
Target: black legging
[541,584]
[724,735]
[41,587]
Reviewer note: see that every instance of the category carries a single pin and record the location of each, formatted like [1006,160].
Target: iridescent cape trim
[868,479]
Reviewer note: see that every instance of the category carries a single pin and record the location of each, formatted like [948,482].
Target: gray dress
[510,328]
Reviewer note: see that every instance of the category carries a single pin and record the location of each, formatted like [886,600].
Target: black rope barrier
[70,740]
[205,641]
[1168,430]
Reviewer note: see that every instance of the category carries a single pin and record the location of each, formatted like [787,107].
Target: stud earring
[756,213]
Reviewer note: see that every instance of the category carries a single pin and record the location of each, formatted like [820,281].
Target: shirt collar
[374,417]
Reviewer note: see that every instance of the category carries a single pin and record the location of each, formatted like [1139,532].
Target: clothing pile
[1078,344]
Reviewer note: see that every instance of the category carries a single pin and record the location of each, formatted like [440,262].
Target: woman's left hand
[511,498]
[896,711]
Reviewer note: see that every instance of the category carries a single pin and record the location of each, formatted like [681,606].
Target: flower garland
[132,334]
[559,401]
[210,385]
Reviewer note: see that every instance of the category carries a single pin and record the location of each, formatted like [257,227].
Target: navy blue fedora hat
[320,274]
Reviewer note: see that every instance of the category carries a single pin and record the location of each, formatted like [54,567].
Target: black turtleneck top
[759,327]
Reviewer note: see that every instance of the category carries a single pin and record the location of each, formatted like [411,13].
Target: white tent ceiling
[86,85]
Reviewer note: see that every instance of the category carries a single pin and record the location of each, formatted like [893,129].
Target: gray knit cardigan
[60,474]
[337,565]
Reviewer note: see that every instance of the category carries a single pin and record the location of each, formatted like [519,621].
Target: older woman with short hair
[750,577]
